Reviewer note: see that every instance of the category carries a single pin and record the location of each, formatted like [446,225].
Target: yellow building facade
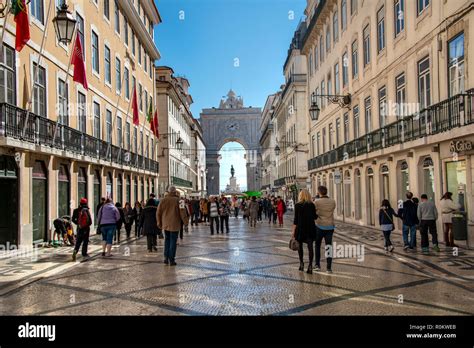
[409,123]
[75,142]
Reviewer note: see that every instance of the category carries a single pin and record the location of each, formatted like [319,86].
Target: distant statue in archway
[232,170]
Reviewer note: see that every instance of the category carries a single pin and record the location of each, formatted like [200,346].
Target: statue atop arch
[232,101]
[232,170]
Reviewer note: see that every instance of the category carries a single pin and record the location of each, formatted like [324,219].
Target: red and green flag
[20,11]
[154,125]
[136,119]
[149,115]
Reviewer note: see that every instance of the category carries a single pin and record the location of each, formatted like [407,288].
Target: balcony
[435,119]
[280,182]
[314,19]
[181,182]
[293,78]
[39,130]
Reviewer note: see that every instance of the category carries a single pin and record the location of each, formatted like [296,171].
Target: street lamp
[64,24]
[314,109]
[179,142]
[277,150]
[344,101]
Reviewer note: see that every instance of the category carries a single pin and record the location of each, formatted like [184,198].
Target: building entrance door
[9,203]
[370,199]
[40,201]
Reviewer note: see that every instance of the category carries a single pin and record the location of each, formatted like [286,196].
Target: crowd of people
[313,221]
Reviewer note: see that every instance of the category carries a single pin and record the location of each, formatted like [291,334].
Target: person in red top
[281,209]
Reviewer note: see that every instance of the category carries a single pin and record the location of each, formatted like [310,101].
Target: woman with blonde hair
[304,228]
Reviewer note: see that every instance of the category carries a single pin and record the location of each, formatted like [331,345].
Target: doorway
[8,206]
[370,197]
[40,201]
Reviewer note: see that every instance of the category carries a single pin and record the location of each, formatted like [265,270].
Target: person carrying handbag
[386,215]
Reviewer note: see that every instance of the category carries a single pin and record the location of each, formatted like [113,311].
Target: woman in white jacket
[448,207]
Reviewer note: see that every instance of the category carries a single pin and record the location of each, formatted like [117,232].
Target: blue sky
[204,40]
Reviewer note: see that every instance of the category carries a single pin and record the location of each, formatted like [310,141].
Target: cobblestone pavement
[246,272]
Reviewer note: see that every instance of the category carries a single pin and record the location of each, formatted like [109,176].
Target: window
[141,143]
[456,65]
[139,53]
[145,62]
[63,115]
[335,27]
[324,140]
[108,126]
[140,97]
[368,115]
[330,131]
[126,81]
[107,9]
[381,29]
[329,84]
[336,79]
[346,127]
[310,64]
[318,141]
[316,57]
[133,43]
[108,77]
[400,95]
[80,32]
[345,70]
[328,38]
[355,60]
[343,15]
[356,122]
[399,16]
[39,90]
[125,30]
[37,10]
[322,101]
[313,140]
[97,120]
[382,106]
[353,6]
[81,112]
[127,136]
[135,139]
[118,75]
[119,131]
[321,48]
[8,75]
[422,5]
[95,52]
[338,131]
[366,45]
[63,190]
[424,83]
[117,17]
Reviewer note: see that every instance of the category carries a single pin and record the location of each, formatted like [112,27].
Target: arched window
[120,189]
[97,189]
[347,194]
[428,178]
[404,182]
[128,190]
[109,186]
[82,183]
[384,171]
[63,190]
[358,195]
[370,197]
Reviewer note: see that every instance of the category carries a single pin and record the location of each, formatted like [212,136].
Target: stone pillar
[213,174]
[25,170]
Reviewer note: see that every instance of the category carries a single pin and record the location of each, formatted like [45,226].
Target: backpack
[83,220]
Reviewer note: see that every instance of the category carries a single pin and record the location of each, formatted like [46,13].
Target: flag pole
[35,76]
[73,42]
[7,8]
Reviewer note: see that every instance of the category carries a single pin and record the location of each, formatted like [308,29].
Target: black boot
[301,266]
[310,269]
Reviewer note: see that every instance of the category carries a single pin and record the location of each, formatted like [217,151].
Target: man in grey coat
[427,215]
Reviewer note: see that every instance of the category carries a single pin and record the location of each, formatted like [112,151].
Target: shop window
[357,194]
[370,197]
[97,188]
[384,171]
[456,181]
[63,190]
[428,178]
[347,194]
[404,184]
[82,183]
[109,186]
[119,189]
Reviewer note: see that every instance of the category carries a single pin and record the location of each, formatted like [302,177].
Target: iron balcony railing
[43,131]
[435,119]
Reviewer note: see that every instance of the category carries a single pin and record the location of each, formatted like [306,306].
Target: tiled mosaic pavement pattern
[249,272]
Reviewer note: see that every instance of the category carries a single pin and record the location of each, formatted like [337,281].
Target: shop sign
[460,145]
[337,177]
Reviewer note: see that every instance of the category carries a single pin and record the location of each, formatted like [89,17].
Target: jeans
[108,232]
[236,212]
[195,218]
[137,228]
[327,236]
[280,217]
[386,235]
[128,229]
[225,219]
[82,238]
[151,241]
[213,219]
[425,227]
[412,231]
[170,245]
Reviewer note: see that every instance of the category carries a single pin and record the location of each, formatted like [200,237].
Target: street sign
[337,177]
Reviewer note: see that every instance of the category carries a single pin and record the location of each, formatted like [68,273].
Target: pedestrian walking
[236,206]
[81,216]
[304,227]
[183,204]
[101,203]
[324,226]
[195,208]
[137,210]
[213,208]
[224,214]
[169,217]
[427,215]
[128,219]
[281,209]
[408,214]
[120,222]
[107,221]
[205,210]
[386,214]
[260,210]
[149,225]
[448,207]
[253,208]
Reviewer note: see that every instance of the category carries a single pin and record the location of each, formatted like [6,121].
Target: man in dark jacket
[81,216]
[149,224]
[195,211]
[101,203]
[408,214]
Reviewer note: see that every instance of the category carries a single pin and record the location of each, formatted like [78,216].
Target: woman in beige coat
[448,207]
